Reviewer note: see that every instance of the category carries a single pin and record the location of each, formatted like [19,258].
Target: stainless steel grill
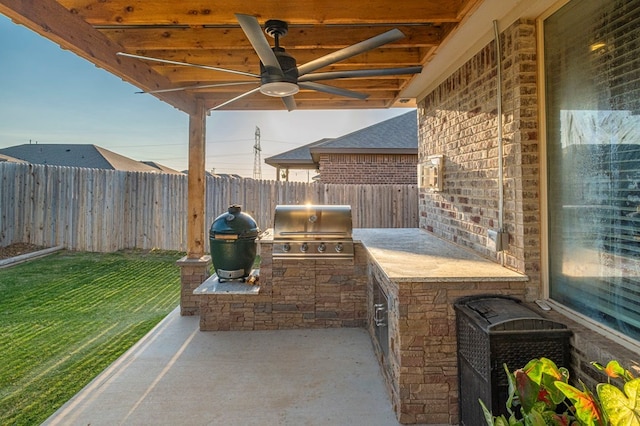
[312,232]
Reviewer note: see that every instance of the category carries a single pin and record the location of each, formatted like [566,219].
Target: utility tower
[257,166]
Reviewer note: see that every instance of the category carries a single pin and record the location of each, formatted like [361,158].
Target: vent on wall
[430,173]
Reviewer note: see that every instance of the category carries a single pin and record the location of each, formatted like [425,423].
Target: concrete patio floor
[178,375]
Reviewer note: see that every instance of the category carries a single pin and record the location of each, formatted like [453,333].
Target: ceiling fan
[279,75]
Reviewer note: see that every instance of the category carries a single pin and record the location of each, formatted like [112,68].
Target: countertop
[411,254]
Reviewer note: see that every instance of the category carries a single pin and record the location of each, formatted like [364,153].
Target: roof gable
[397,133]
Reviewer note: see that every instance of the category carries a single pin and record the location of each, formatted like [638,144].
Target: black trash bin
[493,330]
[232,240]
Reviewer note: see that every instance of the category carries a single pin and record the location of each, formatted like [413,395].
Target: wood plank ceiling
[208,33]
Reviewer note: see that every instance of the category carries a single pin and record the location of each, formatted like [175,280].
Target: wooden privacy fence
[105,210]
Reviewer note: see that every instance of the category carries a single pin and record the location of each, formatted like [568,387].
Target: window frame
[544,293]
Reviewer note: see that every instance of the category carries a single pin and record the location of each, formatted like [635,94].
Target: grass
[66,317]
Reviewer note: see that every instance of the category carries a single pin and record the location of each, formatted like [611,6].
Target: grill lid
[304,222]
[234,224]
[312,232]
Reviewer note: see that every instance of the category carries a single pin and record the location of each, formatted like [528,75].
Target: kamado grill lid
[234,223]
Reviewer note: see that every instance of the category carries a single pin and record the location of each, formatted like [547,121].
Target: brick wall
[368,168]
[459,119]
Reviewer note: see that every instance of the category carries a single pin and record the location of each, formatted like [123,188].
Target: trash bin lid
[497,313]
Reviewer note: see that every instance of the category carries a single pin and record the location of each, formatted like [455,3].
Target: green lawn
[66,317]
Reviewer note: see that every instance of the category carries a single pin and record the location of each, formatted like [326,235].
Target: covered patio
[475,72]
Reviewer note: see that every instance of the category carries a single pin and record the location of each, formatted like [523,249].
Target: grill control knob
[286,248]
[339,247]
[304,247]
[322,248]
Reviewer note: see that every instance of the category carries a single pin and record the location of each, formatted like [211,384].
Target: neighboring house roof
[10,159]
[74,155]
[160,167]
[398,135]
[298,158]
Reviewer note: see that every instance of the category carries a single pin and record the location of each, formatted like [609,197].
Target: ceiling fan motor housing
[288,65]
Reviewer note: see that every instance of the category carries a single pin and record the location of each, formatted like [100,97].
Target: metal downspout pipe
[500,140]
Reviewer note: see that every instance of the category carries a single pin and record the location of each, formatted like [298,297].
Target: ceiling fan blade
[347,52]
[252,91]
[198,86]
[333,90]
[378,72]
[206,67]
[289,102]
[253,31]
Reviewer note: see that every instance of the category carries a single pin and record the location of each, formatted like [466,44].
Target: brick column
[193,272]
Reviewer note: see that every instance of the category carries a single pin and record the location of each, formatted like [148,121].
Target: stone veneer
[421,371]
[193,272]
[422,277]
[309,293]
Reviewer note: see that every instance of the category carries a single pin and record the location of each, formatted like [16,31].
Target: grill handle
[296,233]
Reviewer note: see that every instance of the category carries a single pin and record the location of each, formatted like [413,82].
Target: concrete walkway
[178,375]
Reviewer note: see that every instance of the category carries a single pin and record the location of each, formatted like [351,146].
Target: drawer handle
[378,315]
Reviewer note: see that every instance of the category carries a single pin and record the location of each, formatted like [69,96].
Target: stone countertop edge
[414,255]
[212,285]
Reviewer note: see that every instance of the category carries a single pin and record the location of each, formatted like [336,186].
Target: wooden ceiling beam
[49,19]
[199,13]
[297,38]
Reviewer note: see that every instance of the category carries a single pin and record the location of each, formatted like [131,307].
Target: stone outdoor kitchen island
[420,277]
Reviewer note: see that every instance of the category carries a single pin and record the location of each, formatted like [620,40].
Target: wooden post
[195,266]
[196,183]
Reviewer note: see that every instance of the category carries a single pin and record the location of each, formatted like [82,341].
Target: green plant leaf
[488,416]
[512,389]
[622,409]
[527,390]
[614,370]
[535,418]
[501,421]
[537,367]
[587,410]
[554,394]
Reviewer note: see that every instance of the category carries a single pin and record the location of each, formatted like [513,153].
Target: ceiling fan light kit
[281,77]
[279,89]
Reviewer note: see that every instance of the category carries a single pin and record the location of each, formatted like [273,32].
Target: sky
[50,95]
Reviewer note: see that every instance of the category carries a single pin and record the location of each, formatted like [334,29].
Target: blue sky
[49,95]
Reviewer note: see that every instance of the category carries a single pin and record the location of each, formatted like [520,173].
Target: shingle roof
[298,158]
[74,155]
[395,135]
[398,133]
[10,159]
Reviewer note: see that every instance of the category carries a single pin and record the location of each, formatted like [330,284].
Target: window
[592,91]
